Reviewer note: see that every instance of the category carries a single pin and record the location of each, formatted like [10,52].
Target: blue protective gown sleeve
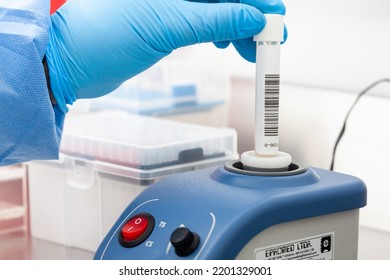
[30,127]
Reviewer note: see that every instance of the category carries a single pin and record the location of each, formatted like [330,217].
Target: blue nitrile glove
[96,45]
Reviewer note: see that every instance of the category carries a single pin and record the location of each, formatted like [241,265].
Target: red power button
[136,230]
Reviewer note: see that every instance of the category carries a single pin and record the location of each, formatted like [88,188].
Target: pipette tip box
[107,159]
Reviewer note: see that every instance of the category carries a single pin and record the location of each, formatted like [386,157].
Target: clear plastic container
[107,159]
[13,199]
[171,87]
[149,147]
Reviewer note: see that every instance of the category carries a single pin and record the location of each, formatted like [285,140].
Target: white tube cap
[279,161]
[273,30]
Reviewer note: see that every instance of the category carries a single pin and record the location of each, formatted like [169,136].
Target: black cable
[367,89]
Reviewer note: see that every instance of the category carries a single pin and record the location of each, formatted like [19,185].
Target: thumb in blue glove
[95,46]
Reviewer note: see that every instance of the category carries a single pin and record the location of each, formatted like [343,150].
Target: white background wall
[333,44]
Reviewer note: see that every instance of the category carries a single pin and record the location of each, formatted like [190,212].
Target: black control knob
[184,241]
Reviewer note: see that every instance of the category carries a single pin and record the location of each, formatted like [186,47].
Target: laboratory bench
[21,246]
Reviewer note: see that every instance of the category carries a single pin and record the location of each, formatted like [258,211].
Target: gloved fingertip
[222,44]
[246,48]
[219,23]
[267,7]
[285,35]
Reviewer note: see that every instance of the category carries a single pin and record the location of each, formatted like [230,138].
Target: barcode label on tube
[271,105]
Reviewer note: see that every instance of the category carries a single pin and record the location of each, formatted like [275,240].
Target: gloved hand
[247,47]
[95,46]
